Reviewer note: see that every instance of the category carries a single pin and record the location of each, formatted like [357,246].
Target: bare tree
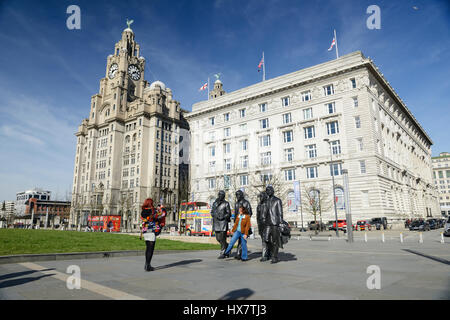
[126,203]
[261,177]
[315,200]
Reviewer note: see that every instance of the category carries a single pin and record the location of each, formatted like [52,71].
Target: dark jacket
[261,213]
[245,224]
[221,214]
[274,214]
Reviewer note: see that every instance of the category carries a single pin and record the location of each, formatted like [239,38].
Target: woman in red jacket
[151,227]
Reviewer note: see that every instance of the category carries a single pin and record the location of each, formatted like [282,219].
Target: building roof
[351,61]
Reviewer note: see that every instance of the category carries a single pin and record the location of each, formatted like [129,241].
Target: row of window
[328,90]
[130,171]
[289,174]
[441,174]
[130,183]
[265,141]
[165,159]
[165,183]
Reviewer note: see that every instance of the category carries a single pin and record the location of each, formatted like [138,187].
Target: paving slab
[307,270]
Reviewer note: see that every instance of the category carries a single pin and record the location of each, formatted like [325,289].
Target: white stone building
[128,149]
[441,177]
[273,133]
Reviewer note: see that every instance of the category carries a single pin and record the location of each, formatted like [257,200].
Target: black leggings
[149,252]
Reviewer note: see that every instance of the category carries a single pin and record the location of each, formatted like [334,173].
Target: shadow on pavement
[176,264]
[17,282]
[240,294]
[441,260]
[19,274]
[282,256]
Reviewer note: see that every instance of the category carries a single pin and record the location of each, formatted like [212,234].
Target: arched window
[340,200]
[291,202]
[314,199]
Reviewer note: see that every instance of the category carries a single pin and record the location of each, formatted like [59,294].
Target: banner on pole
[297,193]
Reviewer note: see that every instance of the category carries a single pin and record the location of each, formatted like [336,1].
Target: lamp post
[334,192]
[348,212]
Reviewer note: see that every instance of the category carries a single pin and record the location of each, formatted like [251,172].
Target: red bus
[100,223]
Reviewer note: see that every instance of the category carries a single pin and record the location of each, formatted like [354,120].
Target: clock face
[113,70]
[134,72]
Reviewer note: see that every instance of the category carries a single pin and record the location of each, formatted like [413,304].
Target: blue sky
[48,72]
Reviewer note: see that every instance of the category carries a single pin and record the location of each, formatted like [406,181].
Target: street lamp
[348,212]
[334,192]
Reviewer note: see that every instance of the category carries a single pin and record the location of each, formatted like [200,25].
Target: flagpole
[335,39]
[208,88]
[264,68]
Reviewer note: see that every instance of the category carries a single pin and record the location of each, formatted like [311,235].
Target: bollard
[329,237]
[442,237]
[298,237]
[382,237]
[420,237]
[365,237]
[401,237]
[310,238]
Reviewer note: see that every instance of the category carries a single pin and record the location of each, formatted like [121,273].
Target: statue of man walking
[272,221]
[221,214]
[261,214]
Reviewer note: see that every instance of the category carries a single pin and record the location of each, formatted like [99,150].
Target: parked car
[316,225]
[447,228]
[442,223]
[330,225]
[363,225]
[379,222]
[342,225]
[433,224]
[419,225]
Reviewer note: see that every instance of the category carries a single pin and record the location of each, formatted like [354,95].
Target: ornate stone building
[441,177]
[129,148]
[285,129]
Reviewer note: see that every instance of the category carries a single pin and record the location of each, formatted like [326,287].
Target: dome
[158,83]
[218,81]
[128,29]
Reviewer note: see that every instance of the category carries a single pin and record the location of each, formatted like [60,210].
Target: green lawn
[21,241]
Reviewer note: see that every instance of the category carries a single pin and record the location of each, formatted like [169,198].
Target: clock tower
[123,82]
[129,147]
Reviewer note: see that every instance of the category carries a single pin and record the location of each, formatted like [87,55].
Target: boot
[264,255]
[275,254]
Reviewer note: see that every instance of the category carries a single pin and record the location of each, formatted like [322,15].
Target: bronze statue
[221,214]
[241,202]
[261,213]
[273,220]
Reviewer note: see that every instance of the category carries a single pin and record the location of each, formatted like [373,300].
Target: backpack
[285,231]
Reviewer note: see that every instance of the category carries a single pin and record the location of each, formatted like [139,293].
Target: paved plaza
[309,269]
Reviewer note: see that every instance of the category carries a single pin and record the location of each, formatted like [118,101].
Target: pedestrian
[162,213]
[241,202]
[150,227]
[110,226]
[240,231]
